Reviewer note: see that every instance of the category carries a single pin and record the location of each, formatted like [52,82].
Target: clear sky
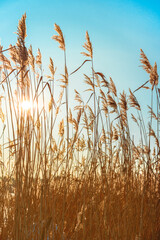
[117,28]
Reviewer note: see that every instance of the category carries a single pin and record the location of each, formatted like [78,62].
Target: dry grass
[81,176]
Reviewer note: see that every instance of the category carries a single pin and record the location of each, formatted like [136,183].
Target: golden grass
[80,175]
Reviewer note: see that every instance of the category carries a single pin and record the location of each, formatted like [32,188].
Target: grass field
[75,173]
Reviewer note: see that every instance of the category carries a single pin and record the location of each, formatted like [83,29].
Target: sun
[26,105]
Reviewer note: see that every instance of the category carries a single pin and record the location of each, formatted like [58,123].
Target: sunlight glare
[26,105]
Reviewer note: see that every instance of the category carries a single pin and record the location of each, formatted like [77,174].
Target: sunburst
[26,105]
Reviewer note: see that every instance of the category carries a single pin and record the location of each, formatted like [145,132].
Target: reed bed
[80,174]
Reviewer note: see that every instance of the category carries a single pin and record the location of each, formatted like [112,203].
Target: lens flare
[26,105]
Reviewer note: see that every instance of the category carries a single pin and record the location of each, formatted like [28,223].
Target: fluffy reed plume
[39,58]
[59,38]
[104,82]
[97,80]
[13,53]
[52,69]
[65,78]
[115,134]
[111,102]
[91,115]
[89,82]
[6,64]
[103,97]
[145,62]
[152,114]
[22,53]
[152,133]
[51,103]
[123,109]
[133,101]
[103,136]
[21,29]
[31,58]
[105,107]
[61,128]
[112,87]
[154,76]
[78,97]
[134,118]
[88,46]
[123,102]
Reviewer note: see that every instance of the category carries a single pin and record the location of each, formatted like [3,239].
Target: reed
[82,176]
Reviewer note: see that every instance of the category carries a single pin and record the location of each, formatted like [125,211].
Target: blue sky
[118,29]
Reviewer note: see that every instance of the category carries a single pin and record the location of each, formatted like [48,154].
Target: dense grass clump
[81,175]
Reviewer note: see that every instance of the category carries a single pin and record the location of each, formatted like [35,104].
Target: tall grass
[83,176]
